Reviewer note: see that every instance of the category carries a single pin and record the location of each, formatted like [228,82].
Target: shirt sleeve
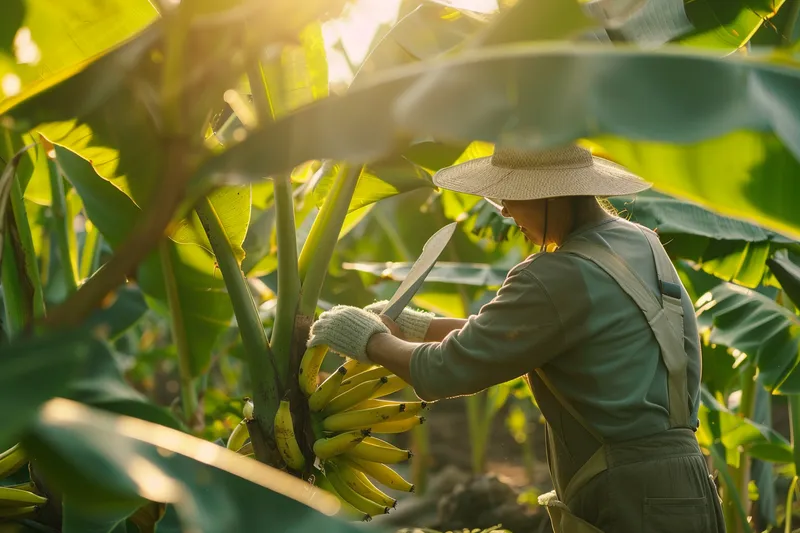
[518,331]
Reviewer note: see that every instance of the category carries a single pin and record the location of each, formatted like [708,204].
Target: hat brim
[602,179]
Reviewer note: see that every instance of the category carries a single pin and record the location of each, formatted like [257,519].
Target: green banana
[383,475]
[398,426]
[327,390]
[309,369]
[19,498]
[12,460]
[359,482]
[351,496]
[348,420]
[326,448]
[357,394]
[379,451]
[285,438]
[17,512]
[239,436]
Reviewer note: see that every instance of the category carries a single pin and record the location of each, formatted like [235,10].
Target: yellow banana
[330,447]
[327,390]
[398,426]
[354,367]
[368,375]
[379,451]
[374,402]
[359,482]
[285,438]
[19,498]
[12,460]
[346,511]
[383,474]
[239,436]
[392,385]
[348,420]
[355,499]
[357,394]
[309,369]
[17,512]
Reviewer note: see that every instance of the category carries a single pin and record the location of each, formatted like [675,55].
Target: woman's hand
[346,330]
[393,327]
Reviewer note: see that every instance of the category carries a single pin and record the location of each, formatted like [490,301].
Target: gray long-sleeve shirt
[563,314]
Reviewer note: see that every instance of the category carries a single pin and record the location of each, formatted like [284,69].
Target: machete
[419,271]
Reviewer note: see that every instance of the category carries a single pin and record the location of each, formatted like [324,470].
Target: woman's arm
[441,327]
[393,353]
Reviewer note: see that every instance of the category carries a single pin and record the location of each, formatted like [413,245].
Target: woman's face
[528,215]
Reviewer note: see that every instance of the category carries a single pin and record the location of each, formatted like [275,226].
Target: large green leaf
[757,326]
[34,372]
[719,425]
[444,272]
[697,133]
[58,36]
[108,111]
[726,24]
[204,303]
[786,268]
[379,180]
[728,248]
[429,30]
[103,462]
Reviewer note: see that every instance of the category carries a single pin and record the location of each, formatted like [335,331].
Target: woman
[603,330]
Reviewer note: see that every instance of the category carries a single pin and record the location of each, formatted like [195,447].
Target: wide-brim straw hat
[514,174]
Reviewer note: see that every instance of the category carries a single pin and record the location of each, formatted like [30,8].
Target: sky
[358,26]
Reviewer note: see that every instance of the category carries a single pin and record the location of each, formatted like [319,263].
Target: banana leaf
[443,272]
[102,462]
[731,249]
[755,325]
[786,268]
[736,116]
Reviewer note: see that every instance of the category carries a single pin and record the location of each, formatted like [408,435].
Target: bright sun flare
[361,20]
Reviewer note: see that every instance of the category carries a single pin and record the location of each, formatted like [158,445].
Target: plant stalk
[288,275]
[62,226]
[741,474]
[91,247]
[188,386]
[318,248]
[787,521]
[260,359]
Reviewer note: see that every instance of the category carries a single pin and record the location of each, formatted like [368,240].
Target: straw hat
[513,174]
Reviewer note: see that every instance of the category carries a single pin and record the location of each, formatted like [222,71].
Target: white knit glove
[413,324]
[346,331]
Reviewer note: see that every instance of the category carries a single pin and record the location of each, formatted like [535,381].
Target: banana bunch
[347,409]
[17,501]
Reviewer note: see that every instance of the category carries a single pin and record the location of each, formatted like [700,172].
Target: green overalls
[655,484]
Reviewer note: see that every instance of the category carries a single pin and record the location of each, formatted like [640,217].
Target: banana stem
[260,359]
[288,275]
[62,226]
[741,474]
[318,248]
[787,526]
[188,385]
[17,309]
[90,251]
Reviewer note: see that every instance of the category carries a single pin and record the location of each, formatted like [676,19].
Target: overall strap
[664,315]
